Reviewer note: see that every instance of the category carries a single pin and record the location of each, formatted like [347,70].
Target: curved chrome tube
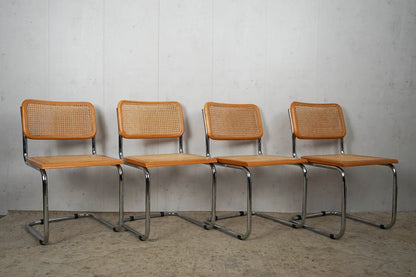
[394,200]
[45,206]
[207,224]
[120,147]
[147,216]
[343,213]
[120,198]
[248,212]
[46,220]
[212,219]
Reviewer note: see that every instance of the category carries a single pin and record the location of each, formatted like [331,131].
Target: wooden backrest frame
[149,120]
[232,121]
[55,120]
[317,121]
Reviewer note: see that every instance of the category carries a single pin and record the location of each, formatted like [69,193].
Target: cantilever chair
[325,122]
[243,122]
[47,120]
[156,120]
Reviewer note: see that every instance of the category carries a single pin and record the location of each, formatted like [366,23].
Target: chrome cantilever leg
[393,208]
[147,215]
[120,200]
[208,224]
[295,223]
[394,200]
[291,222]
[343,213]
[46,220]
[323,213]
[211,220]
[248,212]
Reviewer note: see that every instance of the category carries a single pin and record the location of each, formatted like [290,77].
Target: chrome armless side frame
[342,213]
[148,215]
[45,200]
[249,211]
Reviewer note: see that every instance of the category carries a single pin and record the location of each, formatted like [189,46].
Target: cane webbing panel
[348,160]
[51,162]
[233,121]
[138,119]
[168,160]
[58,120]
[259,160]
[317,121]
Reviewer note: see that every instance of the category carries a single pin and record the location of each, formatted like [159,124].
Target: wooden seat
[325,122]
[156,120]
[160,160]
[235,122]
[50,120]
[51,162]
[347,160]
[258,160]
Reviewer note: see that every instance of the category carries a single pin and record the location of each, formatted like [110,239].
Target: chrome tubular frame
[120,147]
[120,197]
[293,222]
[93,150]
[180,144]
[248,212]
[343,214]
[147,215]
[259,150]
[294,155]
[207,144]
[46,220]
[207,224]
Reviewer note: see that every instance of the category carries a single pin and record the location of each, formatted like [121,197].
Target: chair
[325,122]
[47,120]
[156,120]
[234,122]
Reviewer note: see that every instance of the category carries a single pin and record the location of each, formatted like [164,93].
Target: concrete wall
[361,54]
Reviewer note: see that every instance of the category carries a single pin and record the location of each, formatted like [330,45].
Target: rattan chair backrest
[317,121]
[58,120]
[233,121]
[140,120]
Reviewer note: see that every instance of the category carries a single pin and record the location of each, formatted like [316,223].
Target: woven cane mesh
[150,119]
[317,121]
[58,120]
[349,160]
[259,160]
[168,160]
[50,162]
[233,121]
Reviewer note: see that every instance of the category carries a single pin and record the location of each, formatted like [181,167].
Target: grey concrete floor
[84,247]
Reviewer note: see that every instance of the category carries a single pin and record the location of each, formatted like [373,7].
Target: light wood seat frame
[243,122]
[156,120]
[326,122]
[50,120]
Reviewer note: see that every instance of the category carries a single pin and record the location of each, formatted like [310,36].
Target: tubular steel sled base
[337,213]
[68,217]
[291,222]
[206,225]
